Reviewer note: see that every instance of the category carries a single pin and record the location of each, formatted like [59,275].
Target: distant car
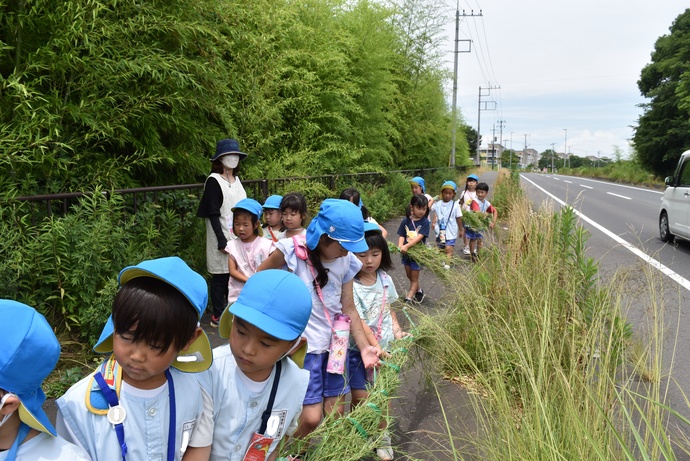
[674,216]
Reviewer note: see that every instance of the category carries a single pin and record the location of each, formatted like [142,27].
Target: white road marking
[586,187]
[621,196]
[569,182]
[680,280]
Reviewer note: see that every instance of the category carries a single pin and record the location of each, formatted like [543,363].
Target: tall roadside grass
[557,370]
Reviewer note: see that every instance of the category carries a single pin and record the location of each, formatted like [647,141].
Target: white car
[674,216]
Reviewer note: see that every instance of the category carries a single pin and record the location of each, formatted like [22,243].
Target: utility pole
[511,150]
[524,151]
[565,148]
[493,146]
[479,114]
[500,137]
[455,76]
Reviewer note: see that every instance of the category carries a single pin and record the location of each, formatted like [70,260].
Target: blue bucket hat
[273,202]
[29,351]
[473,176]
[250,205]
[419,181]
[276,301]
[449,185]
[176,273]
[341,220]
[228,146]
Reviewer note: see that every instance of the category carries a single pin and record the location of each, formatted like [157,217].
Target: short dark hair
[352,195]
[294,201]
[375,240]
[252,216]
[163,316]
[482,186]
[419,201]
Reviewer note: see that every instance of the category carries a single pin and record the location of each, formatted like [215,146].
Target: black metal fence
[260,189]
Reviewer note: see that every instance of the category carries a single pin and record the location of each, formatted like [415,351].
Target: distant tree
[510,158]
[546,160]
[473,139]
[663,130]
[577,162]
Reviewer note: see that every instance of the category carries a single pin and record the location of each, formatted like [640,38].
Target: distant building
[528,157]
[491,155]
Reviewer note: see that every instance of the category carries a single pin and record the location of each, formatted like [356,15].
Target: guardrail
[49,204]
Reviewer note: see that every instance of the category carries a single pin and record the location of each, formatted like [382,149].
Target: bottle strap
[271,399]
[304,256]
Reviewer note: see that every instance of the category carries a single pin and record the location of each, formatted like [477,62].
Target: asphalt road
[624,238]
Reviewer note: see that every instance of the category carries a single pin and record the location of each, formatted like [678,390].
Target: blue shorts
[321,383]
[472,234]
[356,373]
[407,261]
[449,242]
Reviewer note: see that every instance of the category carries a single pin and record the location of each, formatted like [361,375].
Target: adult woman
[222,190]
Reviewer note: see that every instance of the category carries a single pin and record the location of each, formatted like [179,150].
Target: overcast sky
[560,65]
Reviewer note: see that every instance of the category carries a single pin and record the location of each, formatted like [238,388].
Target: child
[447,219]
[273,227]
[484,206]
[29,351]
[413,229]
[144,401]
[465,200]
[352,195]
[264,326]
[294,211]
[248,250]
[327,266]
[419,187]
[374,292]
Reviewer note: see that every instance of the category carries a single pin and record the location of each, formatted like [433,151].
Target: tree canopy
[663,130]
[120,93]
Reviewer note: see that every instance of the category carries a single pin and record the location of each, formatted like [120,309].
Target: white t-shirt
[239,403]
[469,196]
[46,447]
[340,271]
[369,301]
[447,213]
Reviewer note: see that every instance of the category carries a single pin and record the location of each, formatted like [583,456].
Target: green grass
[556,371]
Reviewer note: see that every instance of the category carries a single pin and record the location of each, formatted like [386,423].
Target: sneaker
[446,266]
[466,251]
[385,449]
[419,296]
[409,300]
[214,321]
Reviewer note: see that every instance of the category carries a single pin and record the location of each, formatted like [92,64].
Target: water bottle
[340,339]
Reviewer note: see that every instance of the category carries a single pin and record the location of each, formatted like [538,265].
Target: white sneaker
[385,449]
[466,250]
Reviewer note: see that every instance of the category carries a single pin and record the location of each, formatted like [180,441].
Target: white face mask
[2,404]
[230,160]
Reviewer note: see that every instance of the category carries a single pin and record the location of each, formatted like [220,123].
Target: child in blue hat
[143,401]
[447,219]
[257,390]
[418,186]
[248,250]
[273,219]
[29,351]
[325,263]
